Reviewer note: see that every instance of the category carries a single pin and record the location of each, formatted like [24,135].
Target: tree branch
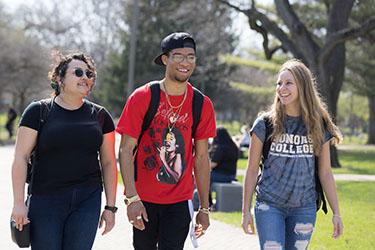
[299,31]
[266,26]
[344,35]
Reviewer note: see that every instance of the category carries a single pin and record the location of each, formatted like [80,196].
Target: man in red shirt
[158,198]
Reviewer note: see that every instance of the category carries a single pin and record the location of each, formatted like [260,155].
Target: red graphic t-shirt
[165,160]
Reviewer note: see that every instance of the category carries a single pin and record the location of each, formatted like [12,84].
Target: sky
[241,25]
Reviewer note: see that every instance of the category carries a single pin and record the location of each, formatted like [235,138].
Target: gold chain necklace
[169,102]
[173,118]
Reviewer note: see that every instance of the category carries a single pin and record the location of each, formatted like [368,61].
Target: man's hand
[202,221]
[136,214]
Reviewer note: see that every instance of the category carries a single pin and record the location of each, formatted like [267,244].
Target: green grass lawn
[359,160]
[357,204]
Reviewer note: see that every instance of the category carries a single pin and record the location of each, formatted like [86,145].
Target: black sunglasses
[79,73]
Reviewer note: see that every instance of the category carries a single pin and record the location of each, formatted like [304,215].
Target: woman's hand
[109,218]
[247,219]
[338,226]
[19,215]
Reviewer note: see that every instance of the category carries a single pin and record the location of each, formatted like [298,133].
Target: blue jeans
[284,228]
[67,220]
[223,178]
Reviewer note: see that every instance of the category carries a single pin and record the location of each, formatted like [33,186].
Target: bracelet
[131,200]
[336,215]
[204,210]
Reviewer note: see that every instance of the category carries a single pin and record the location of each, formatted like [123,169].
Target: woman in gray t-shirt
[285,204]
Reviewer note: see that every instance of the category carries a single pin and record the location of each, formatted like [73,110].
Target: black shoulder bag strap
[147,119]
[44,112]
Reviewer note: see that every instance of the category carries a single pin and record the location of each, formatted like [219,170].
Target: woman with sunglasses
[65,205]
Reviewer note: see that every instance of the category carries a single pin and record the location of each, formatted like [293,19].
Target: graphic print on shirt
[165,151]
[172,157]
[150,162]
[292,146]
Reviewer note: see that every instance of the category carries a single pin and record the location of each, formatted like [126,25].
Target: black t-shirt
[68,146]
[12,112]
[226,158]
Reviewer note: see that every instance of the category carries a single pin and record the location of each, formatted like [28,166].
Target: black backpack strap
[147,119]
[267,140]
[45,108]
[319,189]
[152,108]
[197,109]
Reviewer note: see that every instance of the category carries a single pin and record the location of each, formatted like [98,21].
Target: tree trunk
[371,120]
[330,79]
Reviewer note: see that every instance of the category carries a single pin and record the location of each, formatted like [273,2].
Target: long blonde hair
[314,111]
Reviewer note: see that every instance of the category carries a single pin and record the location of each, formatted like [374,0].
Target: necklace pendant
[172,119]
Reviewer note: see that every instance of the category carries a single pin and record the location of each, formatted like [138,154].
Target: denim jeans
[219,177]
[67,220]
[284,228]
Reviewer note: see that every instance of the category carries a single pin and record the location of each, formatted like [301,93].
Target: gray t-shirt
[288,174]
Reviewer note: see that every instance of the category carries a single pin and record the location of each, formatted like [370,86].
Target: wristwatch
[113,209]
[130,200]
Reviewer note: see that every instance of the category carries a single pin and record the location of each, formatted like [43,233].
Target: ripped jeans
[282,228]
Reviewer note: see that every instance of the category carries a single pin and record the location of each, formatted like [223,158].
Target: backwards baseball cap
[174,41]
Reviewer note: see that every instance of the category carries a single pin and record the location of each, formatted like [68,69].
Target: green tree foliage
[206,20]
[313,31]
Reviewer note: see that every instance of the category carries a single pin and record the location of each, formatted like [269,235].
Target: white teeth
[183,70]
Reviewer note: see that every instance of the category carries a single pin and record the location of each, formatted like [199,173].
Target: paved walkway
[219,236]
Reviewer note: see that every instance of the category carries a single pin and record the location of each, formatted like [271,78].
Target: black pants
[167,228]
[9,127]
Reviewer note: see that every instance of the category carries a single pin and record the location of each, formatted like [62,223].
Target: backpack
[153,107]
[318,186]
[46,106]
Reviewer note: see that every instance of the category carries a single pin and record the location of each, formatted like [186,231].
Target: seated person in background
[245,137]
[223,154]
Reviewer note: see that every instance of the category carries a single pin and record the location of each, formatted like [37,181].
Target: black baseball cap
[174,41]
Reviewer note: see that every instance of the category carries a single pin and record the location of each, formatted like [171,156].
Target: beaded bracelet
[336,215]
[204,210]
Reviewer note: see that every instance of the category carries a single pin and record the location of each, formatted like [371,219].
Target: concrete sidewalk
[219,236]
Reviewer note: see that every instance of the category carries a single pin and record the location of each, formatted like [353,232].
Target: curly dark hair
[61,63]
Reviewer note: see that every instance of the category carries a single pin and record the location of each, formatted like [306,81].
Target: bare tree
[325,55]
[26,67]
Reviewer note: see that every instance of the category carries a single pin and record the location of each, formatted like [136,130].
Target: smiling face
[77,85]
[179,71]
[287,90]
